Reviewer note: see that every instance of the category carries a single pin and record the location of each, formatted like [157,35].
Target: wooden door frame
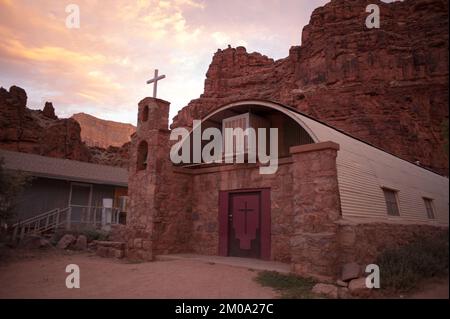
[265,231]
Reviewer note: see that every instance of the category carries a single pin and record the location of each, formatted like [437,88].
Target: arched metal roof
[364,170]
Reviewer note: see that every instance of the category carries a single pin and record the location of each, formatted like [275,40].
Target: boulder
[35,242]
[81,243]
[357,287]
[327,290]
[350,271]
[66,241]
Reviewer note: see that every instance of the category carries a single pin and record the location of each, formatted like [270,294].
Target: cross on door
[245,210]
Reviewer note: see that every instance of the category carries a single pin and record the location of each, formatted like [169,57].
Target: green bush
[403,268]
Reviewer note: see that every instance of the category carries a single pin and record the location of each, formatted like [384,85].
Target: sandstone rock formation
[49,111]
[31,131]
[102,133]
[41,132]
[386,86]
[113,156]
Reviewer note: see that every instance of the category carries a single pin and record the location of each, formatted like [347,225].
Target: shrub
[11,185]
[95,234]
[290,286]
[90,233]
[404,267]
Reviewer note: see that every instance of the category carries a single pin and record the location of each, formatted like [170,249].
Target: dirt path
[436,289]
[43,276]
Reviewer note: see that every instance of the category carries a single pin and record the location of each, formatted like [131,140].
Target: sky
[101,68]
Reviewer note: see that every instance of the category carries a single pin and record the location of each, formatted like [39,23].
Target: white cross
[155,81]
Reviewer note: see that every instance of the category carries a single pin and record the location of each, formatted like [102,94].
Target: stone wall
[205,205]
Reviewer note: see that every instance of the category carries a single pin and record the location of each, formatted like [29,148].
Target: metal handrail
[35,217]
[52,220]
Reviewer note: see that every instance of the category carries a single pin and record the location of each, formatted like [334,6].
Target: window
[142,156]
[391,202]
[145,114]
[430,207]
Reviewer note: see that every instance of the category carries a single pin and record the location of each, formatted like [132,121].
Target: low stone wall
[362,242]
[136,240]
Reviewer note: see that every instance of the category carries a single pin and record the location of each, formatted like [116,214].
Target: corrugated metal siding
[363,170]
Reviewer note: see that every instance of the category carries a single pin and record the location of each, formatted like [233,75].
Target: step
[109,249]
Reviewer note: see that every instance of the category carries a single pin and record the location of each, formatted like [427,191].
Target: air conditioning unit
[123,204]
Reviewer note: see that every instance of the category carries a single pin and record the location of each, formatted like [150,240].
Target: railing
[74,216]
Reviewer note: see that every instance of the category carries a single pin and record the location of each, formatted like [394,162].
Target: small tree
[11,185]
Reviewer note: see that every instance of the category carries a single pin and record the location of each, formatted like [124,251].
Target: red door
[245,224]
[244,230]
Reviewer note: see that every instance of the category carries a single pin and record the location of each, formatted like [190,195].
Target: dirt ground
[433,289]
[38,275]
[41,274]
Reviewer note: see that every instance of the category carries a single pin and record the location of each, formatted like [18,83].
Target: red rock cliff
[41,132]
[102,133]
[387,86]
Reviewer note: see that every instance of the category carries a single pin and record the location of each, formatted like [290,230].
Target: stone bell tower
[148,152]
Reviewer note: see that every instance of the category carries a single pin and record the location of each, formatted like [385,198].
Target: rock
[18,96]
[327,290]
[356,284]
[118,253]
[66,241]
[49,111]
[81,243]
[102,133]
[350,271]
[110,249]
[344,293]
[357,287]
[35,242]
[341,283]
[42,133]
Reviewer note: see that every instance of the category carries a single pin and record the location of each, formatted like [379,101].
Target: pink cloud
[102,67]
